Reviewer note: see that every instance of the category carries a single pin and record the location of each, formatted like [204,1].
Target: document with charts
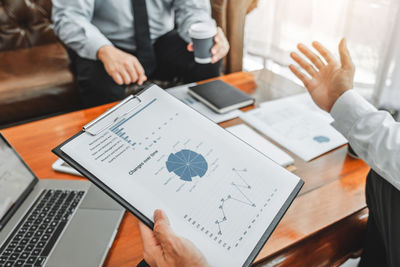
[218,192]
[297,124]
[304,100]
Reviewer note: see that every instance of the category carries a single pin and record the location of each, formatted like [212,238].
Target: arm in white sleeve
[72,24]
[188,12]
[374,135]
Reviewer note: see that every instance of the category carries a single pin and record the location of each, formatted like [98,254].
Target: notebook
[220,96]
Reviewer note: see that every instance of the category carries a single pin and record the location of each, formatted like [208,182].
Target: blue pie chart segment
[187,164]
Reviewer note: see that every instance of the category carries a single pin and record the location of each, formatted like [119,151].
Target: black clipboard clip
[96,126]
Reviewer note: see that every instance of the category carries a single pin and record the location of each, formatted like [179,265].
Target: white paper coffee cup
[202,35]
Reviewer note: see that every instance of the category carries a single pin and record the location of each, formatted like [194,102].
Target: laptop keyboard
[32,240]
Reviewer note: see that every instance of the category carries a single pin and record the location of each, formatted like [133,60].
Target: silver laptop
[52,222]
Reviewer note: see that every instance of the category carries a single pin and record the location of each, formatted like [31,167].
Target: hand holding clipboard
[152,151]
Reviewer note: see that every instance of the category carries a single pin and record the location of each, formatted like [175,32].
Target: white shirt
[87,25]
[374,135]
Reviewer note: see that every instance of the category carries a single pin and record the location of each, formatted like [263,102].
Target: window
[276,26]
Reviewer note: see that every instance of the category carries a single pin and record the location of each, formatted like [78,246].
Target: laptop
[52,222]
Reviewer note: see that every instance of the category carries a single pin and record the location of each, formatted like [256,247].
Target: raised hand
[330,79]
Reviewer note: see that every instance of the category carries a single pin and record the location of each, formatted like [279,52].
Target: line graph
[235,204]
[243,198]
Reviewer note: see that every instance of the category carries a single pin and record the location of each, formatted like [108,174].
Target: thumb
[162,228]
[345,57]
[190,47]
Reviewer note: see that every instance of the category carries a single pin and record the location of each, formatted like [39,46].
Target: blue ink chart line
[119,131]
[229,198]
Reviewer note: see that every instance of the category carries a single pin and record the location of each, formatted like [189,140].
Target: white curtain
[276,26]
[387,88]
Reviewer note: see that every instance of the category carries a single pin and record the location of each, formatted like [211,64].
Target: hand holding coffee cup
[209,42]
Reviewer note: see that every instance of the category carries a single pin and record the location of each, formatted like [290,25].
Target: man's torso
[114,18]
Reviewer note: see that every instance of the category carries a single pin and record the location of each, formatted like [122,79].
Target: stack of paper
[181,93]
[255,140]
[297,124]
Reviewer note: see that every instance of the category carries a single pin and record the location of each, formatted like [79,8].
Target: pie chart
[187,164]
[321,139]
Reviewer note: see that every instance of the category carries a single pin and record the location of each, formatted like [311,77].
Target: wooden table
[324,224]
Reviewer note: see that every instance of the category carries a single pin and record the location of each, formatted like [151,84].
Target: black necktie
[144,48]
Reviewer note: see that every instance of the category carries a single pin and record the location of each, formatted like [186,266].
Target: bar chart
[118,130]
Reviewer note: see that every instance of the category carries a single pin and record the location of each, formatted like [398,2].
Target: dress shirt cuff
[93,45]
[348,109]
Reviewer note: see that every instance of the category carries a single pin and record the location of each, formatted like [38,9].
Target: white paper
[218,192]
[297,127]
[61,166]
[255,140]
[305,100]
[181,92]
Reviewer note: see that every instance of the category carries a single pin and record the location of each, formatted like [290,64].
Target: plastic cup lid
[203,30]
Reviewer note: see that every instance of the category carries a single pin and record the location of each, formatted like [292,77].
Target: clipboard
[92,128]
[131,107]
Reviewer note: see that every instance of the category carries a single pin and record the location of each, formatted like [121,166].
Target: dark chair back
[25,23]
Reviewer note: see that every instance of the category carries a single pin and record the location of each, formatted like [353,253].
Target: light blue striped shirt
[86,25]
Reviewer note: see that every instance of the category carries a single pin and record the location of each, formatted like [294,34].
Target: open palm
[328,80]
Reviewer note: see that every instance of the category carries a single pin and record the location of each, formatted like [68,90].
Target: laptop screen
[15,177]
